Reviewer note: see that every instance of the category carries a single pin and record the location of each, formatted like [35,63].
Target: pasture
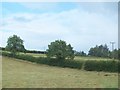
[76,57]
[21,74]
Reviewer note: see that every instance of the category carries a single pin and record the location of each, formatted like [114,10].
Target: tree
[81,53]
[115,54]
[60,50]
[15,44]
[119,54]
[99,51]
[70,52]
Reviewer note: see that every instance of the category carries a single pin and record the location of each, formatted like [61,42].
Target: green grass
[36,55]
[22,74]
[91,58]
[89,65]
[77,58]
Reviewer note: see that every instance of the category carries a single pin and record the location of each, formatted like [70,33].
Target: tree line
[60,49]
[103,51]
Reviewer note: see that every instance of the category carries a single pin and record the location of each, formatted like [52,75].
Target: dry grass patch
[22,74]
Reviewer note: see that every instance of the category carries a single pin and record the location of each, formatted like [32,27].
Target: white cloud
[80,28]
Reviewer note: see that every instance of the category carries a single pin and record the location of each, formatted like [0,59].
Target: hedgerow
[90,65]
[110,66]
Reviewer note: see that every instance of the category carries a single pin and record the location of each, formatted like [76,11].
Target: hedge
[47,61]
[110,66]
[90,65]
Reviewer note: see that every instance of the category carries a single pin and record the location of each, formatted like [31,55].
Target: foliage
[6,54]
[99,51]
[47,61]
[81,53]
[15,44]
[90,65]
[119,54]
[110,66]
[60,50]
[114,54]
[2,48]
[34,51]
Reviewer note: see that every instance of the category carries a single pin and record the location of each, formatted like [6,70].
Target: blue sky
[82,24]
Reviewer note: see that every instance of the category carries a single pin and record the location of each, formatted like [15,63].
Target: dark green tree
[60,50]
[99,51]
[70,52]
[114,54]
[15,44]
[81,53]
[119,54]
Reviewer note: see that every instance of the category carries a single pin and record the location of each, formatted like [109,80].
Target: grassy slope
[23,74]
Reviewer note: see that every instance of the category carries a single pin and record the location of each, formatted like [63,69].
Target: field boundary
[93,65]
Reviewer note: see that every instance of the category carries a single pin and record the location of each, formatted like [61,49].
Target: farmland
[77,58]
[59,45]
[21,74]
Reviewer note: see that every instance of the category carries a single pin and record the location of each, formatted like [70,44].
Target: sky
[81,24]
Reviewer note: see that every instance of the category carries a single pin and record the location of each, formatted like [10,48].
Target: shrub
[110,66]
[20,56]
[60,63]
[7,54]
[42,60]
[26,57]
[73,64]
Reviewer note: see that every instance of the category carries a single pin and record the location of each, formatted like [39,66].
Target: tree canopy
[81,53]
[15,44]
[100,51]
[119,54]
[60,50]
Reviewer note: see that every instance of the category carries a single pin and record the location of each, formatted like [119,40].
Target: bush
[26,57]
[18,56]
[60,63]
[42,60]
[73,64]
[7,54]
[47,61]
[110,66]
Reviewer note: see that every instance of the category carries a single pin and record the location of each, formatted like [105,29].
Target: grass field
[22,74]
[76,57]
